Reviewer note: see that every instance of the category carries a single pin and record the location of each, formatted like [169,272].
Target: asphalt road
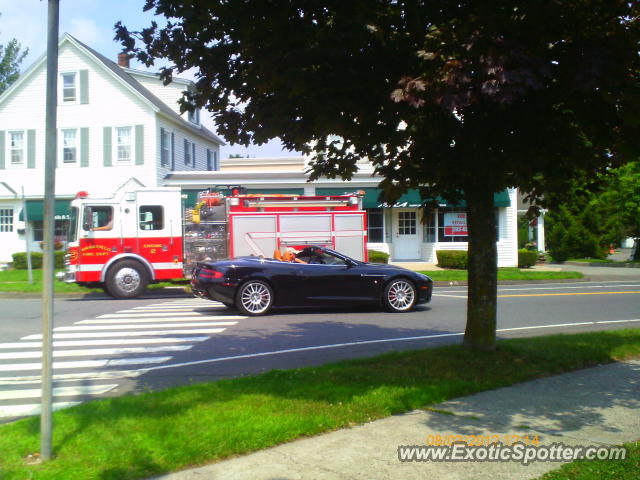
[109,347]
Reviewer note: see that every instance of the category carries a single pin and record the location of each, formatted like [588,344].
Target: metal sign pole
[49,230]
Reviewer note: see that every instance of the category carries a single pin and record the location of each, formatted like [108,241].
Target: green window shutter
[31,149]
[139,144]
[106,146]
[186,152]
[1,149]
[84,86]
[84,147]
[173,151]
[162,147]
[193,154]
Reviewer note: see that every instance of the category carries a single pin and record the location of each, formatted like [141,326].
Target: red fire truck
[144,235]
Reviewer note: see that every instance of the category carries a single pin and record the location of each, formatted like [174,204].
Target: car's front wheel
[126,279]
[254,298]
[399,296]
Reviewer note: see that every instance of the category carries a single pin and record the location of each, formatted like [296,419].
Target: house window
[194,116]
[123,144]
[165,147]
[6,219]
[69,87]
[375,225]
[69,146]
[151,217]
[188,152]
[16,148]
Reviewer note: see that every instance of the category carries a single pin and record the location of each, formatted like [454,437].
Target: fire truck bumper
[66,276]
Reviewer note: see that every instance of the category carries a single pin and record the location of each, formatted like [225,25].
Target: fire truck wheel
[126,279]
[399,295]
[254,298]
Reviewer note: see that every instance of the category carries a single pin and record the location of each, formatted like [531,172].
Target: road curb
[163,293]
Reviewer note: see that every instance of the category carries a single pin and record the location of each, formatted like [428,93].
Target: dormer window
[194,116]
[69,87]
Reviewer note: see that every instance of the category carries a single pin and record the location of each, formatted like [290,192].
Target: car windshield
[315,255]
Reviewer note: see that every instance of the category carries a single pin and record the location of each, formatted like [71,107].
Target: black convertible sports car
[255,284]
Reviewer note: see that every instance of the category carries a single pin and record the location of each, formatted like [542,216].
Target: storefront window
[375,225]
[61,227]
[452,225]
[429,226]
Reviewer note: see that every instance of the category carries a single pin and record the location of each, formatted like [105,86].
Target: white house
[115,124]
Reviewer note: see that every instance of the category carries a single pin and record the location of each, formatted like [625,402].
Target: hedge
[20,260]
[376,256]
[527,258]
[452,259]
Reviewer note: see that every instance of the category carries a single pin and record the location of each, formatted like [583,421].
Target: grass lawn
[143,435]
[591,260]
[627,469]
[506,273]
[17,281]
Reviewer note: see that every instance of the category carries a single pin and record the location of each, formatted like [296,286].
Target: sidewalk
[597,406]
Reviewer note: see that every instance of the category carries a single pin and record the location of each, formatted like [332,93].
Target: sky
[91,22]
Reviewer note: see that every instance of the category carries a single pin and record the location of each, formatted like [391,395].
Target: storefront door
[406,243]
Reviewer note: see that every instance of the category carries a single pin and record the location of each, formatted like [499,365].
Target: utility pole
[46,428]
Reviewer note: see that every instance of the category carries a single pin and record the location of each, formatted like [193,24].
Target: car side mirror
[87,219]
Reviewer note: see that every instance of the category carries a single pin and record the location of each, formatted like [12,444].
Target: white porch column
[540,231]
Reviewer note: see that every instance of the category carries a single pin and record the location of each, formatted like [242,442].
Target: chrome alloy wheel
[401,295]
[256,297]
[127,279]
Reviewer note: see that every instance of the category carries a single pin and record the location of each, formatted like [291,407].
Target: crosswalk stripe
[151,320]
[162,314]
[148,325]
[33,409]
[133,318]
[17,367]
[57,392]
[96,352]
[108,341]
[70,377]
[152,333]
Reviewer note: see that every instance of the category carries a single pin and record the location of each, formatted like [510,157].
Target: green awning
[411,199]
[35,210]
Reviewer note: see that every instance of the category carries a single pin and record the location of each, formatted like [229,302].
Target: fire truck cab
[144,235]
[126,241]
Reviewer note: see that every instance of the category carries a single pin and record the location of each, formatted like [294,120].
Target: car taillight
[210,273]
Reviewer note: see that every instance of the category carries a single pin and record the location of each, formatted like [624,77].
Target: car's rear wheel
[254,298]
[399,296]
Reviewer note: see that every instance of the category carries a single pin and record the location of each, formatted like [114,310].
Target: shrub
[378,257]
[527,258]
[20,260]
[452,258]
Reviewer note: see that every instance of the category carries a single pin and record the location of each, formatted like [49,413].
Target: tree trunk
[635,257]
[480,332]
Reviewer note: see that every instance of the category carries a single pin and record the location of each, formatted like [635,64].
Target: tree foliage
[459,99]
[591,216]
[11,57]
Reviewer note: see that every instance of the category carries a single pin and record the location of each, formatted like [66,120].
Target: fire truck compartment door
[300,229]
[349,238]
[254,235]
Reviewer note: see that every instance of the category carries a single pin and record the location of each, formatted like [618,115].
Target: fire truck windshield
[72,235]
